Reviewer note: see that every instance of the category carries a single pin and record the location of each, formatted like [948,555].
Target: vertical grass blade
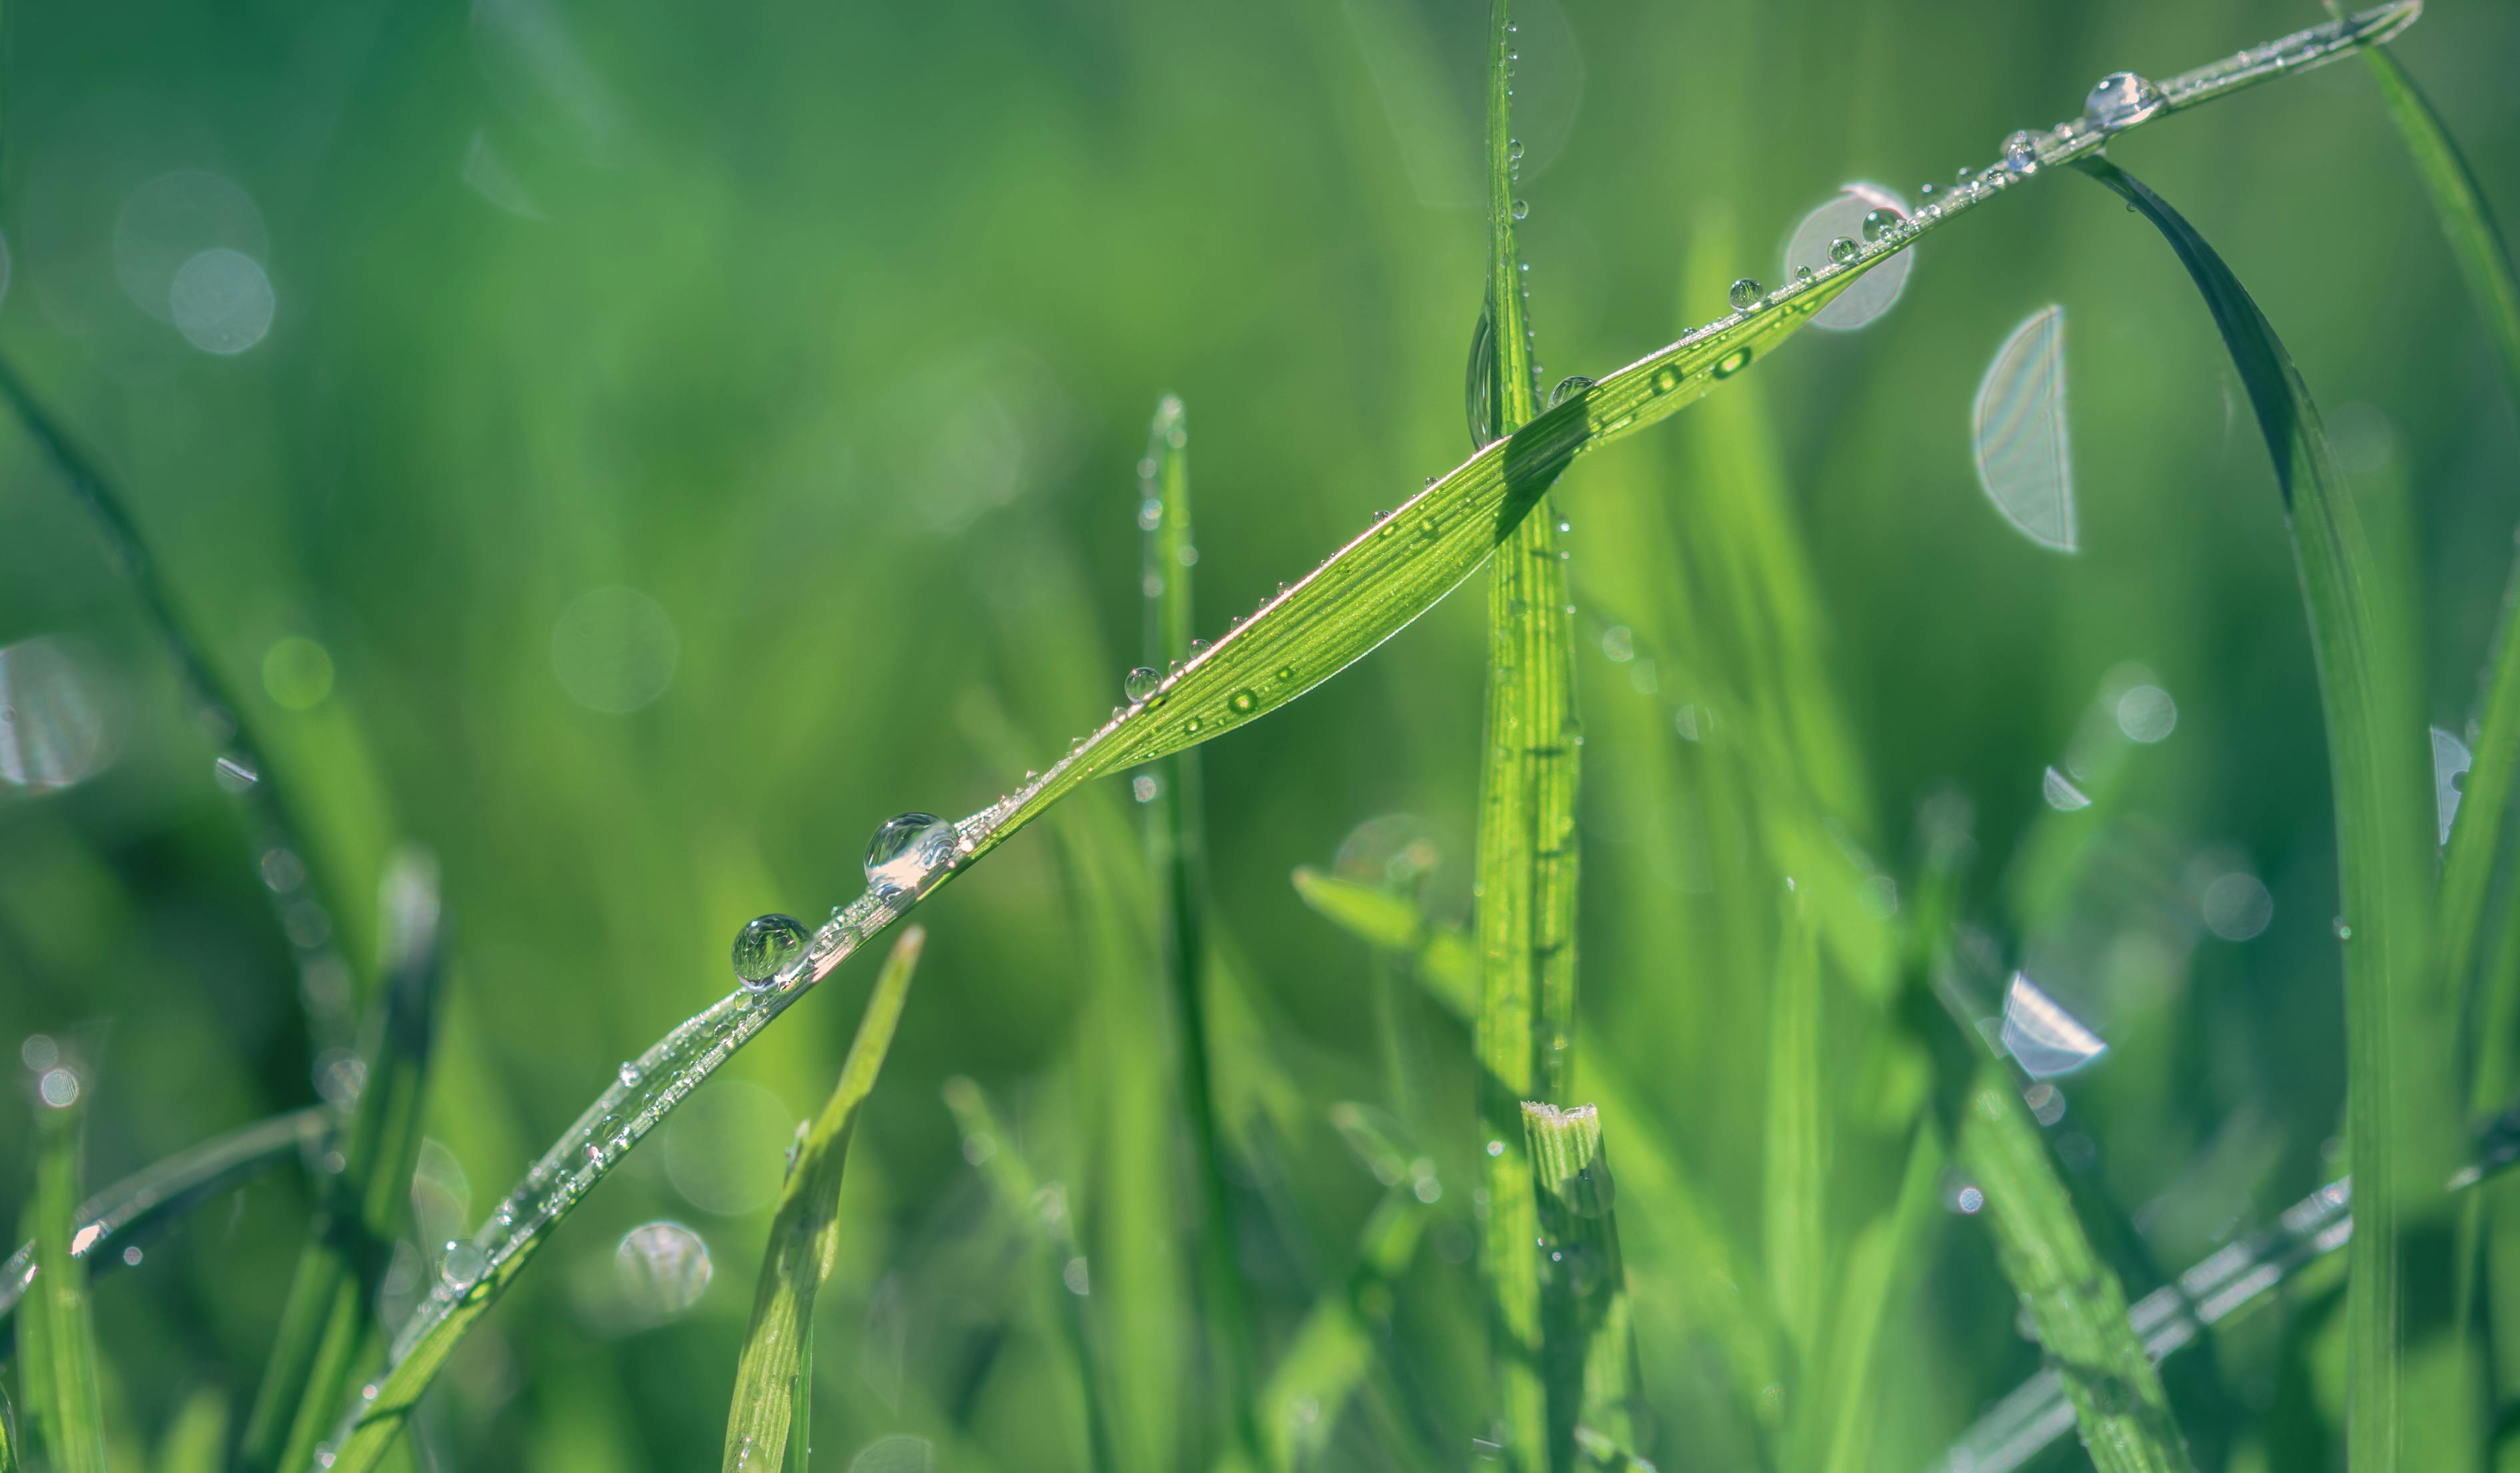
[1796,1156]
[2410,1401]
[195,1442]
[772,1374]
[1332,1350]
[1592,1363]
[1526,840]
[56,1335]
[2073,1299]
[330,1322]
[8,1435]
[1044,1211]
[1177,844]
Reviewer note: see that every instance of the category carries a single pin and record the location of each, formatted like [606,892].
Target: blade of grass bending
[1363,594]
[771,1385]
[169,1190]
[2485,261]
[326,1329]
[1592,1365]
[1795,1159]
[1043,1211]
[2073,1299]
[56,1335]
[1527,855]
[324,978]
[2410,1404]
[1177,851]
[1332,1350]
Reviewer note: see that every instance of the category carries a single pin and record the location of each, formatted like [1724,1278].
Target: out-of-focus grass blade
[195,1442]
[326,1328]
[169,1190]
[56,1335]
[1527,847]
[1592,1365]
[8,1435]
[1883,1257]
[1043,1211]
[1332,1348]
[2474,240]
[2073,1299]
[2411,1407]
[771,1385]
[1796,1163]
[1177,844]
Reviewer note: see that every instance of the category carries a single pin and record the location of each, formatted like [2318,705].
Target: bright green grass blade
[325,1332]
[166,1192]
[1796,1157]
[1883,1259]
[1332,1350]
[1043,1210]
[324,979]
[56,1335]
[1592,1365]
[1527,851]
[2486,262]
[1176,849]
[8,1435]
[2073,1299]
[771,1382]
[1363,594]
[195,1442]
[2411,1407]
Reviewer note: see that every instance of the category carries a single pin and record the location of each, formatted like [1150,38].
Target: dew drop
[1929,192]
[2121,100]
[1879,223]
[460,1266]
[766,948]
[1242,701]
[905,851]
[1733,362]
[628,1074]
[1567,388]
[1150,514]
[1285,672]
[1142,683]
[2343,932]
[1746,294]
[1844,251]
[2021,152]
[1192,726]
[1803,276]
[1521,210]
[1666,378]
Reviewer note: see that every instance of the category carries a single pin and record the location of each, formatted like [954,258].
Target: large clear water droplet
[1567,388]
[2041,1036]
[766,948]
[1521,210]
[2121,99]
[1478,383]
[2024,459]
[1878,224]
[906,850]
[1746,294]
[2021,152]
[460,1266]
[1142,683]
[1844,251]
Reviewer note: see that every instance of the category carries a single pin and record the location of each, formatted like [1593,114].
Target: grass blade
[2073,1299]
[325,1332]
[1527,853]
[1176,846]
[56,1335]
[1332,1350]
[8,1436]
[196,1441]
[772,1384]
[1796,1156]
[1043,1211]
[1592,1365]
[2410,1402]
[168,1190]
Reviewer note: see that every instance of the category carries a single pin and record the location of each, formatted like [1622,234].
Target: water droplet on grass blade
[1746,294]
[2450,763]
[1843,251]
[1142,683]
[1478,383]
[766,948]
[1568,387]
[2121,100]
[1521,210]
[2021,152]
[461,1265]
[2019,429]
[663,1268]
[905,851]
[1842,217]
[2047,1040]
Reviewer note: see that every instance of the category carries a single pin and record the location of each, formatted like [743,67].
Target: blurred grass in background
[687,437]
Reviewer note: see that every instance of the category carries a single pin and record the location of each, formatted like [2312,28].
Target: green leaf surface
[56,1334]
[1592,1363]
[771,1388]
[1334,1350]
[1796,1159]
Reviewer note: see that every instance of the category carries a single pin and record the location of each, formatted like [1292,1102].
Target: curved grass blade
[1592,1365]
[325,1331]
[2073,1298]
[56,1335]
[1363,594]
[2410,1371]
[1177,844]
[772,1387]
[324,979]
[169,1190]
[1044,1211]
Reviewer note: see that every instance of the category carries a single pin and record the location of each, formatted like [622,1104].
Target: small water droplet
[1197,647]
[766,948]
[1879,223]
[1666,378]
[2021,152]
[628,1074]
[1242,701]
[1844,251]
[2121,100]
[1142,683]
[1733,362]
[1513,148]
[1803,276]
[1150,514]
[460,1266]
[2343,932]
[1929,192]
[1521,210]
[1567,387]
[1746,294]
[1191,727]
[905,851]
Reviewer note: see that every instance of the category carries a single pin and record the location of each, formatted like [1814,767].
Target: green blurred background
[832,334]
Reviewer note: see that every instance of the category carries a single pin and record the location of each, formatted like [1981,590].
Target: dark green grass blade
[56,1335]
[168,1190]
[1332,1350]
[1044,1213]
[1592,1363]
[324,979]
[330,1322]
[2410,1403]
[1176,846]
[2485,261]
[2074,1299]
[772,1387]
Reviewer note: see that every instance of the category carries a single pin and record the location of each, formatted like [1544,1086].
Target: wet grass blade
[1177,851]
[1043,1210]
[2073,1299]
[56,1335]
[166,1192]
[328,1327]
[2410,1401]
[772,1380]
[1796,1163]
[1332,1350]
[1592,1363]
